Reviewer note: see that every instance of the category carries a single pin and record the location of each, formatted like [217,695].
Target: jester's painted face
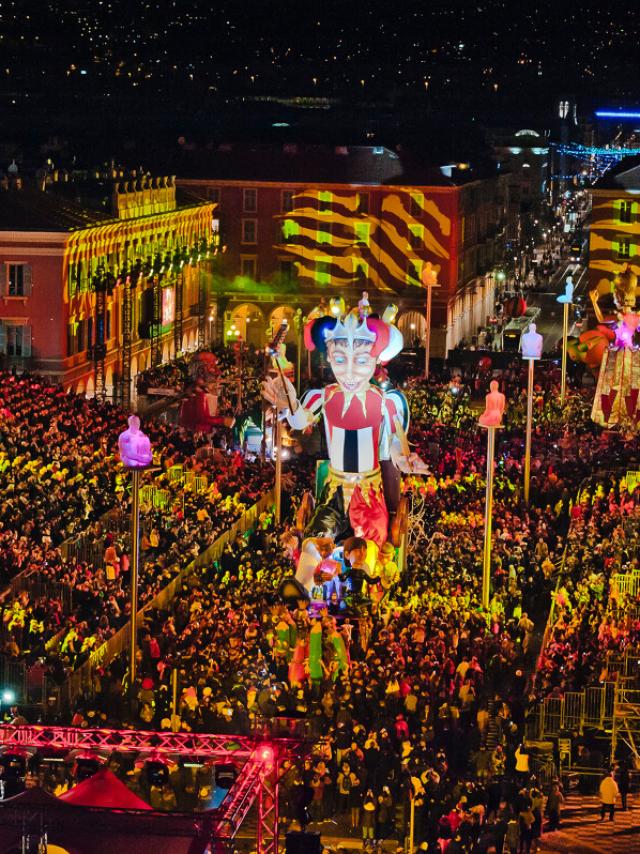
[353,367]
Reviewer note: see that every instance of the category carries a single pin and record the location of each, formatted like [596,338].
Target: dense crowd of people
[593,618]
[60,474]
[423,691]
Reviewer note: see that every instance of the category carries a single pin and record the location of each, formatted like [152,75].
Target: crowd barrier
[33,582]
[89,548]
[83,679]
[574,711]
[625,584]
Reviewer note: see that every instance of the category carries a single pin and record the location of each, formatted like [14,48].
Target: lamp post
[277,450]
[298,322]
[531,350]
[565,299]
[491,419]
[135,455]
[429,279]
[488,518]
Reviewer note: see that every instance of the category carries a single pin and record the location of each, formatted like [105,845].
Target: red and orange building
[100,277]
[305,222]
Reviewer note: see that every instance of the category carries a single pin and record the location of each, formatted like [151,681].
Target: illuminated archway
[90,389]
[80,388]
[165,352]
[249,321]
[413,326]
[283,312]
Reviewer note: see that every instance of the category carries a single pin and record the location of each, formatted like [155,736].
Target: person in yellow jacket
[608,791]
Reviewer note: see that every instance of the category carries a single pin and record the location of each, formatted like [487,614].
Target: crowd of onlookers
[60,474]
[425,691]
[595,617]
[432,694]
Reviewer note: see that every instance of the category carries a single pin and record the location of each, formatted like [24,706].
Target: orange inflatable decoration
[590,347]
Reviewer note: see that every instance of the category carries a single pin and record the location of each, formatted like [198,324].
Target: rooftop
[320,164]
[64,205]
[624,175]
[30,209]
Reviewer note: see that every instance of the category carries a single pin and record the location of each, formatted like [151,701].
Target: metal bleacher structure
[258,760]
[33,689]
[612,707]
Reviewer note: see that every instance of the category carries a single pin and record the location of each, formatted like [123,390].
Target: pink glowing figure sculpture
[625,329]
[495,403]
[134,446]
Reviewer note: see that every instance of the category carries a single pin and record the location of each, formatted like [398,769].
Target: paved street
[549,323]
[583,833]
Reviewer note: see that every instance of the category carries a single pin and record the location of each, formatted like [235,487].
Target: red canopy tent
[98,830]
[104,790]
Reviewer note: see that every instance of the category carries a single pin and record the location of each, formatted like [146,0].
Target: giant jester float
[365,423]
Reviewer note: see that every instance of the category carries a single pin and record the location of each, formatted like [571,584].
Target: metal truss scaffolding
[202,308]
[259,762]
[179,315]
[124,380]
[626,721]
[156,324]
[102,285]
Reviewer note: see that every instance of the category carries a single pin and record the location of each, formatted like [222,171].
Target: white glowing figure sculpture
[531,343]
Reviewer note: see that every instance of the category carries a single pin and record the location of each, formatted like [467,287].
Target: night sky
[327,47]
[111,65]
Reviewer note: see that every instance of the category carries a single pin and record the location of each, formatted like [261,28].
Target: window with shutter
[626,212]
[26,341]
[26,279]
[16,280]
[4,279]
[3,339]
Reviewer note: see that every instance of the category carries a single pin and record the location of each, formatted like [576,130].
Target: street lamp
[491,420]
[136,455]
[298,322]
[531,350]
[566,300]
[429,279]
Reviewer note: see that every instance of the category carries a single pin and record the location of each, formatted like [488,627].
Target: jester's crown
[385,338]
[350,330]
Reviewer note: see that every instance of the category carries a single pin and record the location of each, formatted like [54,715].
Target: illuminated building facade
[524,156]
[101,278]
[614,238]
[305,223]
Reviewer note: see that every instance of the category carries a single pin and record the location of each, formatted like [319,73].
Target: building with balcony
[101,276]
[614,228]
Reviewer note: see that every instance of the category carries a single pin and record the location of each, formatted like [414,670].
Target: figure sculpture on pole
[495,403]
[134,446]
[531,343]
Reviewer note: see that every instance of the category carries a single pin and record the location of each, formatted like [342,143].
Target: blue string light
[584,151]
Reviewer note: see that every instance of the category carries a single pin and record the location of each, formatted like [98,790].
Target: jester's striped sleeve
[308,410]
[397,407]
